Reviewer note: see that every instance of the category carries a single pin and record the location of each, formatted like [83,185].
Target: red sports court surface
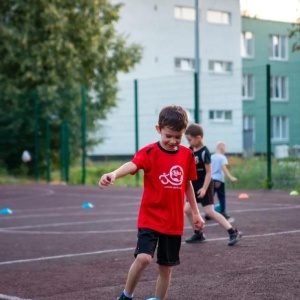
[53,249]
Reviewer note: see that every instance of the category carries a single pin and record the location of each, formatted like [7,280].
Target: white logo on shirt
[175,176]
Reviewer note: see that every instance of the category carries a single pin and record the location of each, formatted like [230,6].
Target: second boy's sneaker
[123,297]
[225,215]
[197,237]
[234,237]
[207,218]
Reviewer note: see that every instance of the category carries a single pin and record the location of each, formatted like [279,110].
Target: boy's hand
[198,222]
[201,192]
[233,179]
[107,179]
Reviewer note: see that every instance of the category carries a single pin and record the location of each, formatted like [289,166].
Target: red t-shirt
[166,174]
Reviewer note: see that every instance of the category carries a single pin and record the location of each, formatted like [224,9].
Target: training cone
[294,193]
[243,196]
[6,211]
[87,205]
[152,299]
[217,208]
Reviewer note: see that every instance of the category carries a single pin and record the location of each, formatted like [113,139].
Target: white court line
[6,297]
[131,248]
[85,232]
[44,194]
[67,214]
[64,256]
[131,219]
[67,224]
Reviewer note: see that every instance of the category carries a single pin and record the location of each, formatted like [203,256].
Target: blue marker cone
[87,205]
[217,208]
[152,299]
[6,211]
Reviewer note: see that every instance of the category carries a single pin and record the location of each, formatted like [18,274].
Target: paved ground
[53,249]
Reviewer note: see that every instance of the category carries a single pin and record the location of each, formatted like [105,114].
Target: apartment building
[267,43]
[166,30]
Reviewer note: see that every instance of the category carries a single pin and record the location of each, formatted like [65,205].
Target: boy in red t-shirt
[168,169]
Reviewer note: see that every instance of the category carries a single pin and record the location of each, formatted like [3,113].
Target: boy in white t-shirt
[219,171]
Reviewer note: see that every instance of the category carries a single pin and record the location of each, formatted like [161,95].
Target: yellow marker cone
[294,193]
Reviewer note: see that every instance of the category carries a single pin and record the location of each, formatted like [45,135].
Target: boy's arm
[227,173]
[197,219]
[109,178]
[207,180]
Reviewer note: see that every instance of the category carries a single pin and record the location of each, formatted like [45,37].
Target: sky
[276,10]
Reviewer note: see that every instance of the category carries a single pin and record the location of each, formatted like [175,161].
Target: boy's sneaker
[226,216]
[234,237]
[197,237]
[123,297]
[207,218]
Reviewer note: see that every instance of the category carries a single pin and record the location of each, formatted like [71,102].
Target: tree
[48,50]
[295,34]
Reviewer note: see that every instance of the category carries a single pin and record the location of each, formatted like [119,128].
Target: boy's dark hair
[194,130]
[173,116]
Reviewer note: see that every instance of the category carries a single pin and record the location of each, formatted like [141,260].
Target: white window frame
[279,88]
[278,47]
[218,17]
[279,129]
[184,13]
[249,124]
[247,44]
[248,88]
[184,64]
[220,67]
[220,116]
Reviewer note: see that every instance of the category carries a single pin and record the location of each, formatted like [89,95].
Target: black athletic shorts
[208,198]
[168,246]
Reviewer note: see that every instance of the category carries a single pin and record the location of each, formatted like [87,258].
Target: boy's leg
[163,281]
[136,270]
[210,211]
[234,234]
[167,257]
[188,212]
[145,248]
[220,190]
[198,235]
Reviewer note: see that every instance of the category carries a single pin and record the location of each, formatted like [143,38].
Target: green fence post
[269,154]
[62,150]
[136,119]
[196,97]
[48,151]
[83,133]
[67,154]
[36,135]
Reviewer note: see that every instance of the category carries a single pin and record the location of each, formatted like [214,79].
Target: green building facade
[267,43]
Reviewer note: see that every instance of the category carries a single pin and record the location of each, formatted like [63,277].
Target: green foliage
[94,173]
[48,50]
[294,34]
[251,174]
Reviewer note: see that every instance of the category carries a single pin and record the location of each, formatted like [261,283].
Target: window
[278,47]
[220,115]
[248,122]
[184,13]
[218,17]
[248,86]
[184,64]
[279,88]
[279,128]
[220,66]
[247,44]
